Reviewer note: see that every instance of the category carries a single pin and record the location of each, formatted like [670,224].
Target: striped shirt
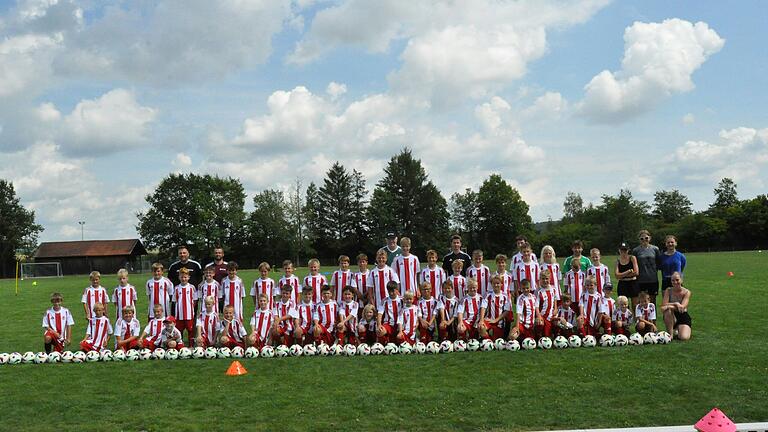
[98,331]
[91,296]
[123,296]
[407,269]
[159,292]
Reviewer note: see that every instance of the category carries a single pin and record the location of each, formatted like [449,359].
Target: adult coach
[648,257]
[392,249]
[675,308]
[456,253]
[218,264]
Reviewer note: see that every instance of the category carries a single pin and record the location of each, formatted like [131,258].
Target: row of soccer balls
[326,350]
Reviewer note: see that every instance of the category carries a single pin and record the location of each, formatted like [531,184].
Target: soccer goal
[40,270]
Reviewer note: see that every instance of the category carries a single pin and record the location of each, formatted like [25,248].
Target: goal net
[40,270]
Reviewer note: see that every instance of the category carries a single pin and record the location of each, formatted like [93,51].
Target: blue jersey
[671,263]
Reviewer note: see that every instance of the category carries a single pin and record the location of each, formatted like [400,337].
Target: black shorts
[652,288]
[682,318]
[628,288]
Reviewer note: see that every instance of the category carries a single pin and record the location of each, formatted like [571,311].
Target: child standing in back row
[159,291]
[315,280]
[209,287]
[407,268]
[185,299]
[480,273]
[265,285]
[95,293]
[233,291]
[599,271]
[124,294]
[341,279]
[433,274]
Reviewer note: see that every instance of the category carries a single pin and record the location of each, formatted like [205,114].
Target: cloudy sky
[99,100]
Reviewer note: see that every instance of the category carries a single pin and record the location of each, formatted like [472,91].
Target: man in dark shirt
[195,270]
[456,253]
[218,264]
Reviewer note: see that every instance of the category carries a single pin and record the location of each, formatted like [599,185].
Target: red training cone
[730,274]
[715,421]
[236,369]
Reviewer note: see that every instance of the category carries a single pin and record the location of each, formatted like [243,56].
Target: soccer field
[724,365]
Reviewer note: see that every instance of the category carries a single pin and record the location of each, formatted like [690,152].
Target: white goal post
[40,270]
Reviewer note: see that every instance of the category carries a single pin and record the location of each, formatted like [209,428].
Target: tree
[361,237]
[297,221]
[701,232]
[18,230]
[725,195]
[330,208]
[405,200]
[573,206]
[619,218]
[199,211]
[671,206]
[502,214]
[269,232]
[464,217]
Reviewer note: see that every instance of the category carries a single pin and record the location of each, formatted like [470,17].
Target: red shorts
[525,332]
[470,332]
[545,329]
[188,325]
[87,345]
[407,337]
[231,343]
[58,345]
[179,345]
[130,345]
[326,335]
[496,329]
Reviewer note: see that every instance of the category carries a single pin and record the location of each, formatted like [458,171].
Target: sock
[47,348]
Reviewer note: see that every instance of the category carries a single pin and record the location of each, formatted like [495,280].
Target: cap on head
[391,235]
[623,246]
[170,319]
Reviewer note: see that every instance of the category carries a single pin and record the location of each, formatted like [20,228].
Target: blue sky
[100,100]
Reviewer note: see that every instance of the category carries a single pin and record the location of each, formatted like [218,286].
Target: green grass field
[724,365]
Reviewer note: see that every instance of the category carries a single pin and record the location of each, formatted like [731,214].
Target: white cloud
[24,62]
[689,119]
[659,60]
[182,160]
[335,90]
[550,106]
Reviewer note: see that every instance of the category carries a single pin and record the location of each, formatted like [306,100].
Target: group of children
[398,303]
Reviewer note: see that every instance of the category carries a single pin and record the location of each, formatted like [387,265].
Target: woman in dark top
[626,272]
[648,257]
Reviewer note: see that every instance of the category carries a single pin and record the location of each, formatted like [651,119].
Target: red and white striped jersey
[390,310]
[185,297]
[347,309]
[295,283]
[209,326]
[528,271]
[340,280]
[607,306]
[267,287]
[483,276]
[233,292]
[159,292]
[236,330]
[435,277]
[518,258]
[590,306]
[369,325]
[459,283]
[526,309]
[358,281]
[574,282]
[469,308]
[123,296]
[98,331]
[647,313]
[285,309]
[306,312]
[547,299]
[568,313]
[428,308]
[261,323]
[315,282]
[377,281]
[154,327]
[554,275]
[59,321]
[126,329]
[507,283]
[602,276]
[91,296]
[407,269]
[495,305]
[209,289]
[448,305]
[408,320]
[326,313]
[622,315]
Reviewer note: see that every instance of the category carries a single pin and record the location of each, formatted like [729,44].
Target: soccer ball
[607,340]
[377,348]
[310,350]
[40,357]
[636,339]
[420,348]
[391,349]
[499,344]
[486,345]
[433,347]
[79,357]
[145,354]
[67,356]
[621,340]
[172,354]
[118,355]
[211,353]
[589,341]
[14,358]
[529,343]
[237,352]
[574,341]
[185,353]
[324,349]
[281,351]
[561,342]
[337,350]
[296,350]
[663,338]
[545,343]
[512,345]
[446,346]
[251,352]
[473,345]
[28,357]
[92,356]
[224,353]
[4,358]
[158,354]
[106,356]
[363,349]
[650,338]
[198,352]
[132,355]
[350,350]
[405,348]
[459,346]
[267,352]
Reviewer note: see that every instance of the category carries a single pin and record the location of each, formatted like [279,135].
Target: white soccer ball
[363,349]
[621,340]
[185,353]
[281,351]
[267,352]
[4,358]
[433,347]
[473,345]
[118,355]
[512,345]
[251,352]
[405,348]
[545,343]
[499,344]
[459,346]
[106,356]
[198,352]
[172,354]
[337,350]
[132,355]
[296,350]
[529,344]
[487,345]
[67,356]
[607,340]
[325,350]
[650,338]
[560,342]
[391,349]
[15,358]
[28,357]
[40,357]
[92,356]
[574,341]
[446,346]
[636,339]
[145,354]
[663,338]
[158,354]
[350,350]
[237,352]
[310,350]
[54,357]
[420,348]
[224,353]
[211,353]
[588,341]
[377,349]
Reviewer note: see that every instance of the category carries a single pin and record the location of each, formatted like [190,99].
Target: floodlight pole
[82,230]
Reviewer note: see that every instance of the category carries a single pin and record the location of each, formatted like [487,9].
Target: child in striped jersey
[150,337]
[589,308]
[262,324]
[94,293]
[645,314]
[447,305]
[366,328]
[232,330]
[208,324]
[347,326]
[428,309]
[99,330]
[285,316]
[507,281]
[387,314]
[547,299]
[573,282]
[124,294]
[127,330]
[57,323]
[408,320]
[325,316]
[606,309]
[526,315]
[468,312]
[494,311]
[209,287]
[459,282]
[566,318]
[341,279]
[622,316]
[264,285]
[304,333]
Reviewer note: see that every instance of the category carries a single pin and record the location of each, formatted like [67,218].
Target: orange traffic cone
[715,421]
[730,274]
[236,369]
